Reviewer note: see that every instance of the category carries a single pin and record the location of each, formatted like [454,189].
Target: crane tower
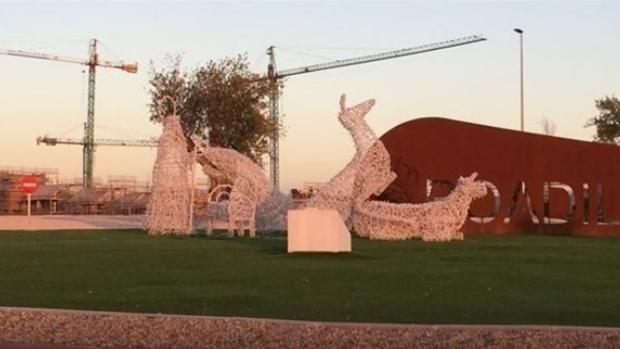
[274,75]
[88,143]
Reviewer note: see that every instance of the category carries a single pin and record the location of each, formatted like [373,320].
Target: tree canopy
[607,122]
[222,97]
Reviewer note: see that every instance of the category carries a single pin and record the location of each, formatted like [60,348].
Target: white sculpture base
[316,230]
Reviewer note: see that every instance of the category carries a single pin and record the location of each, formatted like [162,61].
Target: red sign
[28,184]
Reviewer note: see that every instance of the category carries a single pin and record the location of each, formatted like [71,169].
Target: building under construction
[118,195]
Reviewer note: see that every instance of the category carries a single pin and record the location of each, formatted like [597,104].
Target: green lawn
[501,280]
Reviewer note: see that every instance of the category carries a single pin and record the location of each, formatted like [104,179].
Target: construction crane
[92,62]
[101,141]
[274,75]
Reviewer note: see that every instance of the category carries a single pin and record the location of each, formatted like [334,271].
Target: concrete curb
[133,330]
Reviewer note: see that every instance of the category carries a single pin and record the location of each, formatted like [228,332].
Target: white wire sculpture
[169,211]
[439,220]
[253,203]
[369,173]
[272,212]
[337,193]
[216,208]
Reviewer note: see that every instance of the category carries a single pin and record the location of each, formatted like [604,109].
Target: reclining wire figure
[439,220]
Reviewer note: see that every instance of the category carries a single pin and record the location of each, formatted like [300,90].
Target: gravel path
[37,346]
[130,330]
[65,222]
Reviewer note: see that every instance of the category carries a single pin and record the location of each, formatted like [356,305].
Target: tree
[222,97]
[607,122]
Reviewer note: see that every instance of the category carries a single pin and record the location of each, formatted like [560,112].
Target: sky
[571,58]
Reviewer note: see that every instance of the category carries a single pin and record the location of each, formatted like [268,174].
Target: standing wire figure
[169,211]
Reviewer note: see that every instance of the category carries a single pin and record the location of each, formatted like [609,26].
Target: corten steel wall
[440,150]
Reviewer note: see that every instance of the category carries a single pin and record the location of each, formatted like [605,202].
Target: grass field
[500,280]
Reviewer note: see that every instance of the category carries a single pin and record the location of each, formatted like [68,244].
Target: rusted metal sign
[538,184]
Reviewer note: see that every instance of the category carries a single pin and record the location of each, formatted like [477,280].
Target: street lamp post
[520,32]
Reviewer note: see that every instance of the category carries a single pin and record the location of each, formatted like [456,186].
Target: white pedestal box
[314,230]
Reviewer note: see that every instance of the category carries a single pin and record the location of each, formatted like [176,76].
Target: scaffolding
[119,195]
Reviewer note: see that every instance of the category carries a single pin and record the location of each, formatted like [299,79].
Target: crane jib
[381,56]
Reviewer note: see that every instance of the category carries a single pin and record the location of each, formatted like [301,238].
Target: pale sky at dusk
[571,58]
